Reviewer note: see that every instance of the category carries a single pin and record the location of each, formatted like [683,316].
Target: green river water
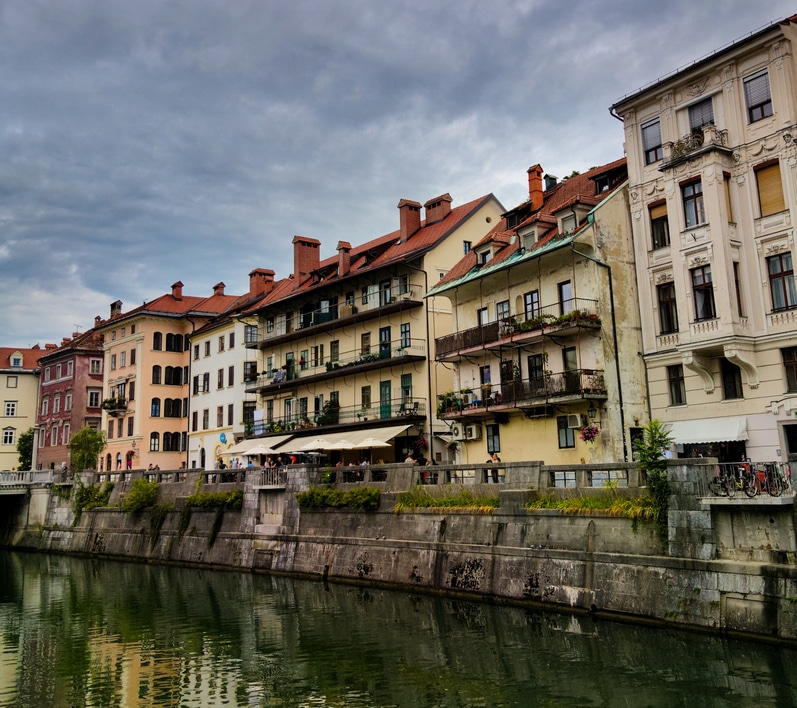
[82,632]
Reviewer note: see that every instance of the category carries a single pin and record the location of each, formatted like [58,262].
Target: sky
[147,142]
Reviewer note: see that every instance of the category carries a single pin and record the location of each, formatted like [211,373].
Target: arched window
[108,462]
[174,342]
[157,341]
[156,408]
[154,442]
[171,407]
[156,374]
[173,376]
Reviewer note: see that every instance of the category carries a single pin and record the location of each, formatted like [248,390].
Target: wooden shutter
[770,189]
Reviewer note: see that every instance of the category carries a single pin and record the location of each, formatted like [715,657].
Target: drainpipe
[429,402]
[614,339]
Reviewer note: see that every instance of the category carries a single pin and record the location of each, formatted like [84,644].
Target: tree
[652,461]
[86,447]
[25,449]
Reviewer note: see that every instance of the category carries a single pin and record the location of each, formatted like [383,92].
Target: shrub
[364,498]
[213,500]
[90,497]
[419,498]
[143,494]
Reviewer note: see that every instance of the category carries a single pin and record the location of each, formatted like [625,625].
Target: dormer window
[482,256]
[568,224]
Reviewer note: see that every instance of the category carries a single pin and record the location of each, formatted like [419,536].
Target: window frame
[652,151]
[703,293]
[666,296]
[693,204]
[758,99]
[781,282]
[676,384]
[659,225]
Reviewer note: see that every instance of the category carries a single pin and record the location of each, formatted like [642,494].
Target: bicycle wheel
[775,485]
[751,485]
[729,485]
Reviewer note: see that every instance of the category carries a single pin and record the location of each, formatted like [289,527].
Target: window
[205,418]
[174,343]
[154,442]
[659,226]
[57,403]
[531,304]
[196,352]
[482,316]
[405,335]
[365,396]
[207,348]
[157,341]
[250,334]
[230,413]
[250,371]
[568,223]
[231,341]
[502,310]
[700,114]
[567,436]
[58,371]
[365,343]
[120,422]
[11,409]
[12,381]
[130,420]
[675,381]
[132,357]
[694,211]
[231,375]
[109,434]
[221,343]
[94,399]
[122,360]
[770,189]
[757,97]
[651,142]
[95,366]
[484,375]
[466,246]
[173,376]
[54,435]
[194,421]
[156,374]
[384,342]
[269,325]
[668,310]
[220,379]
[155,408]
[781,282]
[8,436]
[65,433]
[113,361]
[566,304]
[493,432]
[206,382]
[703,292]
[334,350]
[45,405]
[70,367]
[68,402]
[219,416]
[790,365]
[16,362]
[731,380]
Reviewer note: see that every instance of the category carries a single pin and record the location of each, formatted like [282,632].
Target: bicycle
[723,484]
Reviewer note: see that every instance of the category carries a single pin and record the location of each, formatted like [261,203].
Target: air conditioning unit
[473,432]
[457,432]
[574,420]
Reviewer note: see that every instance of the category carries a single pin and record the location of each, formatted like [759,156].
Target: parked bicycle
[724,483]
[769,478]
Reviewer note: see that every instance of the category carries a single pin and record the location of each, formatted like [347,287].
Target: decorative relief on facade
[664,277]
[756,150]
[696,261]
[698,87]
[774,248]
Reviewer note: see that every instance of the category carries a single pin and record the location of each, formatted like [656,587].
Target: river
[80,632]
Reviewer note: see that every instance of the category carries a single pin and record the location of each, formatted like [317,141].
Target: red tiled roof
[30,357]
[576,189]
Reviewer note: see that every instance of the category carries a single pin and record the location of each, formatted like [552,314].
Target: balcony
[115,406]
[407,409]
[563,387]
[699,141]
[563,318]
[307,323]
[351,362]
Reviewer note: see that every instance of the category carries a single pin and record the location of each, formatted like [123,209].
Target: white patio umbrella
[316,444]
[371,442]
[258,450]
[341,445]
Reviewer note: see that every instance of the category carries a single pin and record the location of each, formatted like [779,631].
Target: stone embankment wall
[727,565]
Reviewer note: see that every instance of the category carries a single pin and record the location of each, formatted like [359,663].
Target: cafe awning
[332,441]
[709,430]
[244,446]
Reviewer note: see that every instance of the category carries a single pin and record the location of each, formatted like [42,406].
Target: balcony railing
[346,363]
[397,408]
[709,137]
[115,406]
[579,383]
[559,316]
[306,321]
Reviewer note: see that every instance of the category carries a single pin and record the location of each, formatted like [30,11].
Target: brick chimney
[438,208]
[306,258]
[116,309]
[344,258]
[218,289]
[177,290]
[535,187]
[261,282]
[409,218]
[97,320]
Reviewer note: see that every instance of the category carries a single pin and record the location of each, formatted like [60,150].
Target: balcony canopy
[359,439]
[709,430]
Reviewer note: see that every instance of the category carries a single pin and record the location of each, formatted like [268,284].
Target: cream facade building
[712,169]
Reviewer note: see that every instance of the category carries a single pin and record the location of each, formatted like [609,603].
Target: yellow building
[344,344]
[546,329]
[146,378]
[712,169]
[19,386]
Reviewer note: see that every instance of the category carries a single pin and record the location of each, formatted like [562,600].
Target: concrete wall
[723,567]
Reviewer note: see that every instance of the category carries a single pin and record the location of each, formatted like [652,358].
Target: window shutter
[651,135]
[657,212]
[701,114]
[756,90]
[770,190]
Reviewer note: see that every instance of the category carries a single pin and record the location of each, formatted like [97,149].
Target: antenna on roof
[77,328]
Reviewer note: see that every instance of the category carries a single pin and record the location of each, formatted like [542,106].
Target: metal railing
[731,479]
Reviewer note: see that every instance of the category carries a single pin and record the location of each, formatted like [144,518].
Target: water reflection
[93,633]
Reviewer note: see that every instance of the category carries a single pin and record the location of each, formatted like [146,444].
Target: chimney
[344,258]
[218,289]
[261,282]
[409,218]
[97,321]
[438,208]
[306,258]
[535,187]
[116,309]
[177,290]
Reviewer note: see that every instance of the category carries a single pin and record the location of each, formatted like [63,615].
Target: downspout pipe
[614,343]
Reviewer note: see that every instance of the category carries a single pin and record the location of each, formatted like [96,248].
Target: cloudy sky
[149,141]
